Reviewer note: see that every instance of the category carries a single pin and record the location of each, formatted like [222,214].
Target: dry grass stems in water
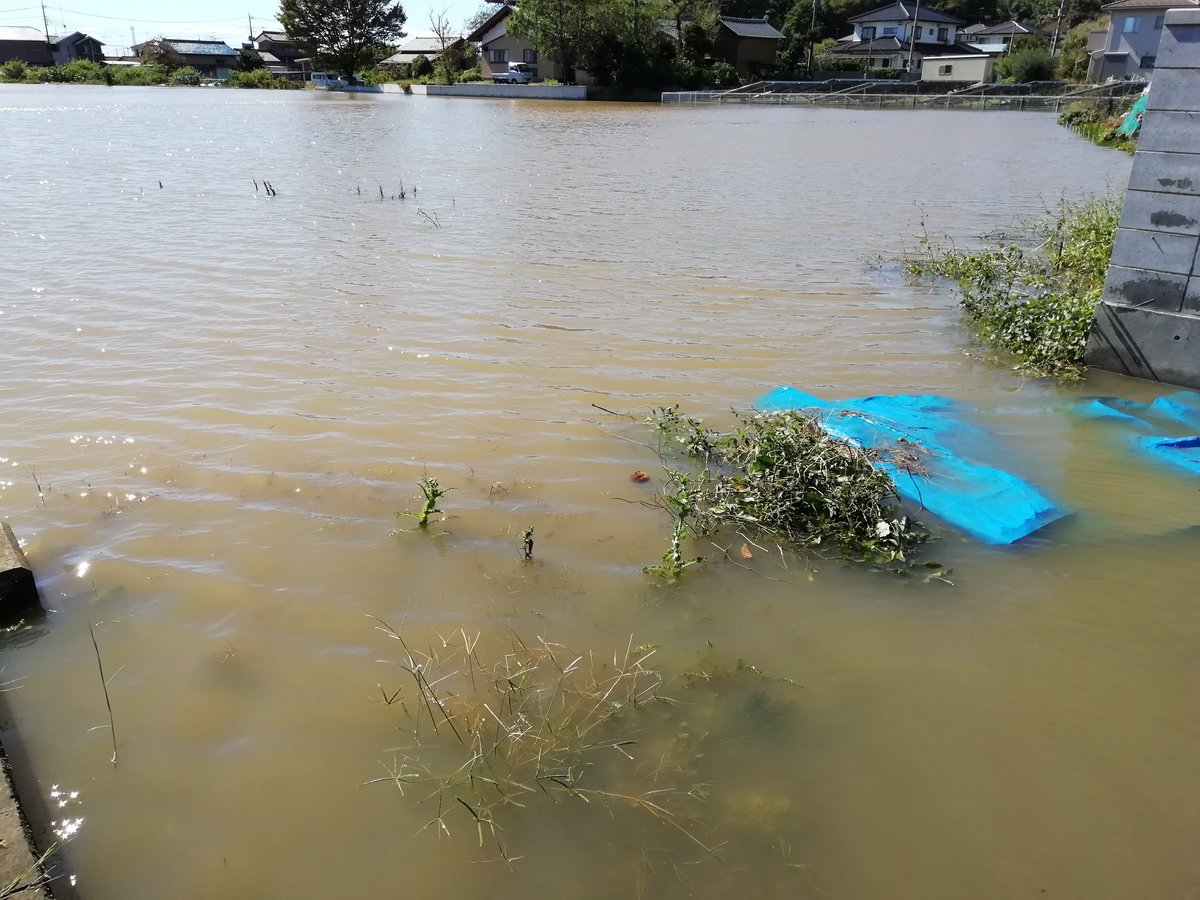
[783,476]
[492,735]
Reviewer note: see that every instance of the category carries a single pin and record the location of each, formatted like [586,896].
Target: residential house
[749,45]
[67,47]
[1000,38]
[279,47]
[25,44]
[974,68]
[892,37]
[216,59]
[1130,45]
[429,47]
[497,47]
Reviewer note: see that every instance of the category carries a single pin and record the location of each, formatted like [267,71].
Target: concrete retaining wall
[1148,323]
[18,861]
[506,91]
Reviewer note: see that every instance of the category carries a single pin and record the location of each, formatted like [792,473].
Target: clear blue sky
[110,20]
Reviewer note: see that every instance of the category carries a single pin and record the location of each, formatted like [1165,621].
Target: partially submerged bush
[185,77]
[500,730]
[1097,120]
[14,70]
[1035,298]
[529,721]
[261,78]
[142,75]
[783,476]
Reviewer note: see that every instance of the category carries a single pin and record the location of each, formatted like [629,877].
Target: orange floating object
[639,476]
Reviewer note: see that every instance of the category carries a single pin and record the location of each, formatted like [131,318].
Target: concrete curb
[19,859]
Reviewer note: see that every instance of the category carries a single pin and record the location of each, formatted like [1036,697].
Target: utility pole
[812,37]
[912,39]
[1062,9]
[132,41]
[250,22]
[45,25]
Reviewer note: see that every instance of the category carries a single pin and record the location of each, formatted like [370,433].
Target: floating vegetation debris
[783,476]
[1034,295]
[491,733]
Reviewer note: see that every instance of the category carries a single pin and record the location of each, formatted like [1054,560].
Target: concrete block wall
[1148,323]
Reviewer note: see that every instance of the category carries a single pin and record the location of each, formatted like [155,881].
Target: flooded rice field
[225,397]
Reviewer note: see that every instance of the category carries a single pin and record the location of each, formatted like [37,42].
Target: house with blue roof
[214,59]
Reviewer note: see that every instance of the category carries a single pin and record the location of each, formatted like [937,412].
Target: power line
[174,21]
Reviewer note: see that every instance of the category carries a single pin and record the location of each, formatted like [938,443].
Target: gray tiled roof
[905,12]
[891,44]
[1149,4]
[193,47]
[1013,28]
[20,33]
[751,28]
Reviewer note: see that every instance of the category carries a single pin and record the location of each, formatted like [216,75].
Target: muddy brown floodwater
[226,397]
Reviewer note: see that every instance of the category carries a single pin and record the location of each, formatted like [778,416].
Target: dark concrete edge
[17,817]
[29,814]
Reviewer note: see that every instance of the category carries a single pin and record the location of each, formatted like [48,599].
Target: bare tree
[449,42]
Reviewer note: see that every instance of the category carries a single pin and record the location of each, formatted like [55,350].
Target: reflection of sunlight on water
[65,828]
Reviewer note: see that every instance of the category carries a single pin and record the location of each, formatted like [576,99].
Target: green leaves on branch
[1035,298]
[343,35]
[432,491]
[782,476]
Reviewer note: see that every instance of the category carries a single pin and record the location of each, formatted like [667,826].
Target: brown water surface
[227,396]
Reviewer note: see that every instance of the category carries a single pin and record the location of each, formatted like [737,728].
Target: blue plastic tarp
[988,503]
[1181,409]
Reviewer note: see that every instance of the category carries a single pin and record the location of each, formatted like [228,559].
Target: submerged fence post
[1148,322]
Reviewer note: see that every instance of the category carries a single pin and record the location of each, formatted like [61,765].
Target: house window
[1158,23]
[1149,61]
[917,32]
[1133,24]
[943,34]
[868,33]
[945,70]
[529,56]
[497,56]
[889,32]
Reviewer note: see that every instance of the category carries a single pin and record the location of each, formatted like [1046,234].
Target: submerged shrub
[185,77]
[14,70]
[1035,299]
[783,476]
[261,78]
[142,75]
[79,71]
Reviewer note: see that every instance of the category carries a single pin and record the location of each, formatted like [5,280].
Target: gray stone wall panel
[1176,90]
[1146,344]
[1179,46]
[1171,253]
[1145,289]
[1154,211]
[1170,173]
[1170,131]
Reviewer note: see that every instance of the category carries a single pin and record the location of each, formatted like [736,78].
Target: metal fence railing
[1017,103]
[866,94]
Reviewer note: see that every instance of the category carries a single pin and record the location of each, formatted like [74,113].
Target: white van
[325,80]
[518,73]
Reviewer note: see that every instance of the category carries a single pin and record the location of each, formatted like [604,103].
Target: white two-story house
[1130,45]
[900,35]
